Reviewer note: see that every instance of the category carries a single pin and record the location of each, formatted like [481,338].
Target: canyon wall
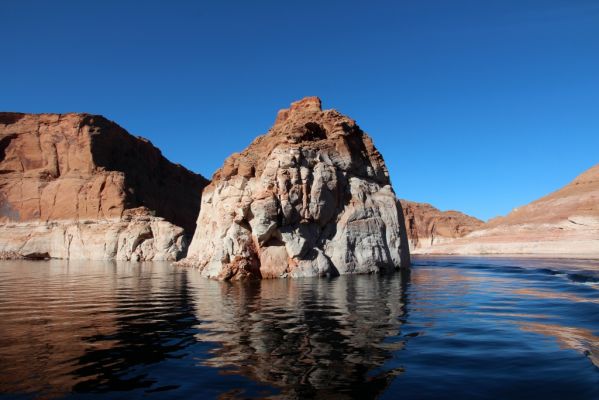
[428,226]
[79,186]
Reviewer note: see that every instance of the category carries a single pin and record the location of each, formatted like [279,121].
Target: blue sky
[479,106]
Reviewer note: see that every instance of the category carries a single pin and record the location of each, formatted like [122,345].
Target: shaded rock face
[564,222]
[311,197]
[80,186]
[428,226]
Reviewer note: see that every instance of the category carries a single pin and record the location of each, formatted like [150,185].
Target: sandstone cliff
[79,186]
[428,226]
[311,197]
[564,222]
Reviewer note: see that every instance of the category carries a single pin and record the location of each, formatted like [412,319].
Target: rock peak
[305,106]
[304,125]
[307,103]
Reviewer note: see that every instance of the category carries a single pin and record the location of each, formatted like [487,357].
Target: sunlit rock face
[79,186]
[428,226]
[565,222]
[311,197]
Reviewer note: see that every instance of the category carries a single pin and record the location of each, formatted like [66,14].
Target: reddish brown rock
[64,177]
[428,226]
[565,222]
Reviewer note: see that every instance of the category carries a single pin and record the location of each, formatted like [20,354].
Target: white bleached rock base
[137,239]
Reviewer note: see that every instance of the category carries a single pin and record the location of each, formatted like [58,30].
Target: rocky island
[78,186]
[310,197]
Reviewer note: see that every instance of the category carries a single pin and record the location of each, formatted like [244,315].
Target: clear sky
[479,106]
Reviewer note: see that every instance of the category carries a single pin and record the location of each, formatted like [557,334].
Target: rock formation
[564,222]
[311,197]
[428,226]
[79,186]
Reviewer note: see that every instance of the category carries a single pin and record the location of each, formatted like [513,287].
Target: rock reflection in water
[153,324]
[579,339]
[310,337]
[45,309]
[110,328]
[458,328]
[88,326]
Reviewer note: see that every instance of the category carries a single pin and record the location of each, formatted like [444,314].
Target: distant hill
[428,226]
[563,222]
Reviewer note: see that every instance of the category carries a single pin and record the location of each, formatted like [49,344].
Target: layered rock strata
[79,186]
[311,197]
[428,226]
[565,222]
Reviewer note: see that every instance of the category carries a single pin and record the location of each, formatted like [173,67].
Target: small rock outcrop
[311,197]
[428,226]
[565,222]
[79,186]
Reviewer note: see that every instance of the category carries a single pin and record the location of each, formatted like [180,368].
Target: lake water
[453,328]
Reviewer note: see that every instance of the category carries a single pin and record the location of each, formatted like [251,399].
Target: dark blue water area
[452,328]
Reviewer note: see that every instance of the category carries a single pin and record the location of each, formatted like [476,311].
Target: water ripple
[453,328]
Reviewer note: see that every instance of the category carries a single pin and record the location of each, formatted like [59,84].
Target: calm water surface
[453,328]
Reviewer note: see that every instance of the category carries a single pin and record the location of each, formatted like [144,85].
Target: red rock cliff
[71,168]
[428,226]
